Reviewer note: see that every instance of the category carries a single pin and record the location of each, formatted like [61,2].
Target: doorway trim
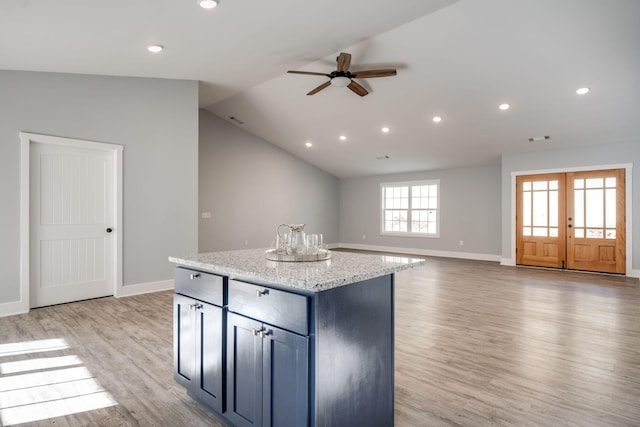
[628,167]
[26,139]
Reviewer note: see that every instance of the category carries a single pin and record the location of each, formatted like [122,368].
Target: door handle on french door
[109,230]
[569,226]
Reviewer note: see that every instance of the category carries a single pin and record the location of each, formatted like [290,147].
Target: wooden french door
[541,234]
[572,220]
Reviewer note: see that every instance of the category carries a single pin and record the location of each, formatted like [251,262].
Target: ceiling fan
[343,77]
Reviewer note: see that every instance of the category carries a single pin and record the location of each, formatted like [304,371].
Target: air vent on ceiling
[382,157]
[539,138]
[235,119]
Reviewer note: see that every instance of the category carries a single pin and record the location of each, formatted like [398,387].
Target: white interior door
[72,199]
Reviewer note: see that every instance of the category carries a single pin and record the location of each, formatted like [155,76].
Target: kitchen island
[267,343]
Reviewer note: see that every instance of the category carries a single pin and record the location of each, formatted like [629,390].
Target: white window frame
[409,233]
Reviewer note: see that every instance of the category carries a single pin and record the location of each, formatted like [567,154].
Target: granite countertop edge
[319,282]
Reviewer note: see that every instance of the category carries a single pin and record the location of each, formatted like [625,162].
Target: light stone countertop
[341,269]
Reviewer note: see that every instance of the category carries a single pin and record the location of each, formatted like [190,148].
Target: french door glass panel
[595,208]
[540,208]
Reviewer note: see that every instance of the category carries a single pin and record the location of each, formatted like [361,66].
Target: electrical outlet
[364,237]
[461,243]
[246,243]
[206,214]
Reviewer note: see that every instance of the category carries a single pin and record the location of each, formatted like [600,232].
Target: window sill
[421,235]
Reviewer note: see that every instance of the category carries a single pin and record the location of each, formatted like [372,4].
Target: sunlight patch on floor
[46,387]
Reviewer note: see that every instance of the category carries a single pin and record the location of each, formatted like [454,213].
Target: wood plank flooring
[126,346]
[477,344]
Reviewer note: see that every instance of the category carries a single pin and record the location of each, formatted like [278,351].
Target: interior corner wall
[156,120]
[250,186]
[584,157]
[469,212]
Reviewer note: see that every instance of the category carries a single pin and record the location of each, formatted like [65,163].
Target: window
[410,209]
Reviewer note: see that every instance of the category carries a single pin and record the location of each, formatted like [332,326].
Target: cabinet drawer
[196,284]
[278,308]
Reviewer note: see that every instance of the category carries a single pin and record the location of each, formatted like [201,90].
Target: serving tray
[322,255]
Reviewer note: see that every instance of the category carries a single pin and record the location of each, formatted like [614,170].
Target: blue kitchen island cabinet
[303,344]
[197,333]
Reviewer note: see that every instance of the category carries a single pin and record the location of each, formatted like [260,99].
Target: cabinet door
[285,379]
[244,371]
[209,348]
[184,340]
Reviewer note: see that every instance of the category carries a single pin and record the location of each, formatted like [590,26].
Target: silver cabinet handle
[264,333]
[194,276]
[261,293]
[195,306]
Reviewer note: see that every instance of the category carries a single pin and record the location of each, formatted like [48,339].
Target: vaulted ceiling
[457,60]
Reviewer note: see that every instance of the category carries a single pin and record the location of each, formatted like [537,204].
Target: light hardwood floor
[477,344]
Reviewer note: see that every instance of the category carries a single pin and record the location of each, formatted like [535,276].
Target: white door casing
[73,195]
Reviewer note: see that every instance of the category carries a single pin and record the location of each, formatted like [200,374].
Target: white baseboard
[425,252]
[19,307]
[144,288]
[508,261]
[633,273]
[11,308]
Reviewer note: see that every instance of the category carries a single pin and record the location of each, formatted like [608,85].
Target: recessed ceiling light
[308,144]
[437,119]
[343,138]
[582,91]
[155,48]
[504,106]
[385,129]
[208,4]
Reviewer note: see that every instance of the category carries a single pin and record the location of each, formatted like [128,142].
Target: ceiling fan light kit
[340,81]
[342,77]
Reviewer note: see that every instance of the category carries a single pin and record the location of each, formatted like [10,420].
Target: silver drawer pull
[195,306]
[194,276]
[257,332]
[261,293]
[264,333]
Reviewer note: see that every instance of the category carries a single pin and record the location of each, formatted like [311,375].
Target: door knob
[109,230]
[569,226]
[569,218]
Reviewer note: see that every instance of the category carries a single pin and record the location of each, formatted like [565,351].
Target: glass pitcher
[291,239]
[298,239]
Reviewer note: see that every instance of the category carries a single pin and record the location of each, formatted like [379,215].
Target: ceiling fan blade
[312,73]
[373,73]
[319,88]
[357,88]
[344,61]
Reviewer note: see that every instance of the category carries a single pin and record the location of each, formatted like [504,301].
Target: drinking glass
[282,243]
[312,244]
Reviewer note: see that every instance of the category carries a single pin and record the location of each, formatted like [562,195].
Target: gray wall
[469,202]
[251,186]
[155,120]
[582,157]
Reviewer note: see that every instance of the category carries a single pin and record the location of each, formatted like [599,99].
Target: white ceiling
[456,59]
